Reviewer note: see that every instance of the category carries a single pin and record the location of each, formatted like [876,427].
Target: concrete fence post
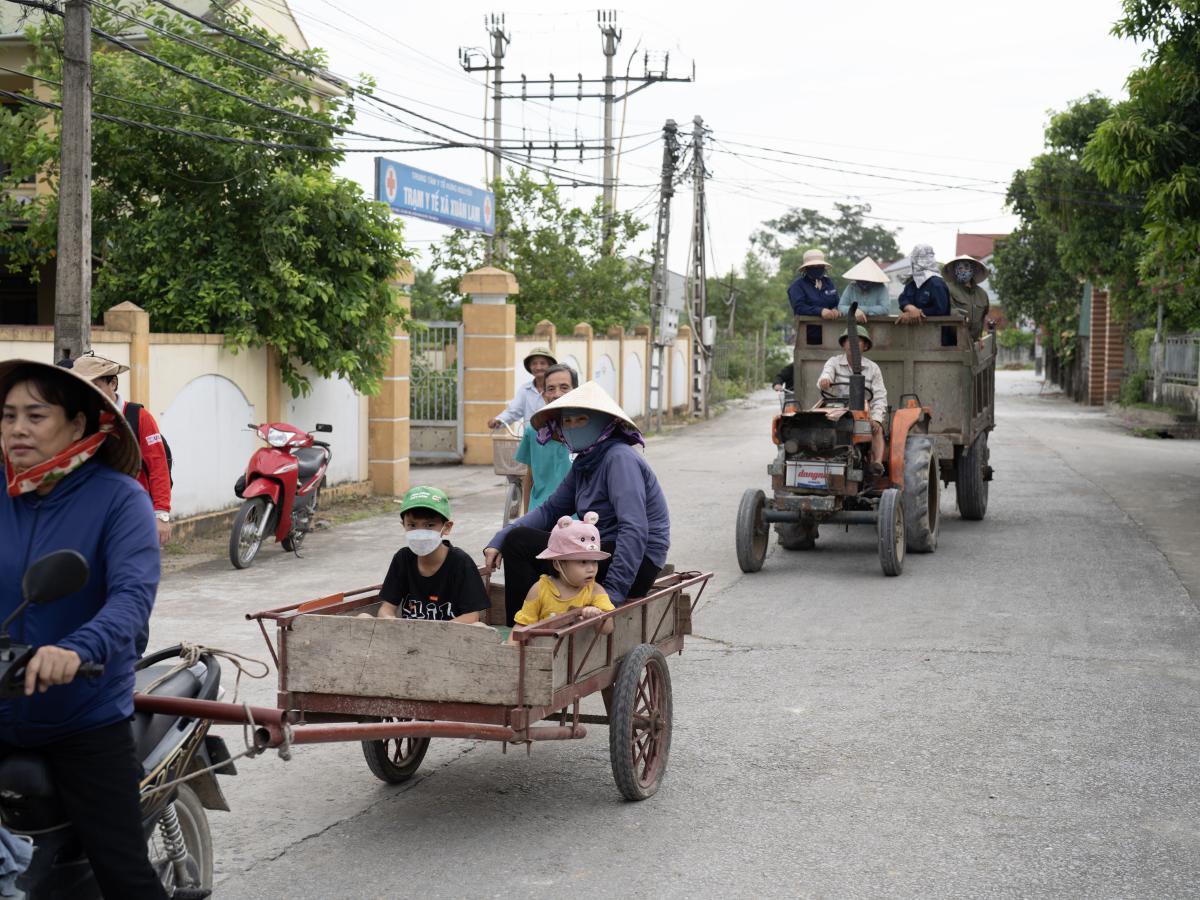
[545,329]
[584,330]
[133,319]
[388,412]
[489,339]
[618,332]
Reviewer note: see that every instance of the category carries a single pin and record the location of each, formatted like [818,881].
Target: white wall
[679,378]
[333,402]
[206,427]
[635,389]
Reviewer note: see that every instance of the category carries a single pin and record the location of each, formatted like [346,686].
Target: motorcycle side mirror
[54,576]
[50,578]
[321,427]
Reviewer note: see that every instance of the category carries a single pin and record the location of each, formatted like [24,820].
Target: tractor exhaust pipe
[858,382]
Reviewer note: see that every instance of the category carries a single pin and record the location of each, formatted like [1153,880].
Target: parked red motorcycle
[280,490]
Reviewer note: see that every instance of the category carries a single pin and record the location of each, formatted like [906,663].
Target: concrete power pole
[466,57]
[659,274]
[698,276]
[73,275]
[612,37]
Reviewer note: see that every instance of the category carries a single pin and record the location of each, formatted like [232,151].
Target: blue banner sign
[413,192]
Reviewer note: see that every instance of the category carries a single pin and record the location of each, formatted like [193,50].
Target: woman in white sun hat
[867,288]
[609,476]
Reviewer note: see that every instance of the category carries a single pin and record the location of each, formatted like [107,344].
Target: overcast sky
[881,102]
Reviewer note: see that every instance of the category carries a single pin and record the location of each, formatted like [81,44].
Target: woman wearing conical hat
[609,476]
[867,288]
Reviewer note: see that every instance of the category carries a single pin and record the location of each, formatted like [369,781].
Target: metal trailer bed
[394,684]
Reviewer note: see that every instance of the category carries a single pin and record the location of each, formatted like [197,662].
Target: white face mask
[423,541]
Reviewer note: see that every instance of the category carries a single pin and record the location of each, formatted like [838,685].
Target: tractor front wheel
[752,531]
[891,532]
[802,536]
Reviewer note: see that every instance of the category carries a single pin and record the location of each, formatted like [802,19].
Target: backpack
[133,415]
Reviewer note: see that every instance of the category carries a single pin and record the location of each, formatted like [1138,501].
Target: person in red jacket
[155,475]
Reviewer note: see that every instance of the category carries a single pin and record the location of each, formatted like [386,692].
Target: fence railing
[739,365]
[1181,358]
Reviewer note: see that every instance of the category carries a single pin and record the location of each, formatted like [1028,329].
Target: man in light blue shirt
[528,399]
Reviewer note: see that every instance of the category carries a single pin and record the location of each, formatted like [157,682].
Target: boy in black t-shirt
[429,579]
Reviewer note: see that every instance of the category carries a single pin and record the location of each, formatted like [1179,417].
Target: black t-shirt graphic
[453,590]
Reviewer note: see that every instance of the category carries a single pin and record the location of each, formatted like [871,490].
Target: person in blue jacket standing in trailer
[813,293]
[70,461]
[926,293]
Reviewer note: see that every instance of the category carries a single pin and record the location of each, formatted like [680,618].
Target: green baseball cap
[425,497]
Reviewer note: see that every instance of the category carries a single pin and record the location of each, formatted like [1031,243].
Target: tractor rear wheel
[922,494]
[891,532]
[752,533]
[970,487]
[802,536]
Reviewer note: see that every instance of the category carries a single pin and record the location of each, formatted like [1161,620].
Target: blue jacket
[808,299]
[932,298]
[625,494]
[107,517]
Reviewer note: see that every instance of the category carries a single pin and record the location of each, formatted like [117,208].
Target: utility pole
[612,37]
[731,302]
[697,276]
[73,274]
[500,39]
[571,88]
[658,278]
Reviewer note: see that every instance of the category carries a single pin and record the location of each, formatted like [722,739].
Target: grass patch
[1149,434]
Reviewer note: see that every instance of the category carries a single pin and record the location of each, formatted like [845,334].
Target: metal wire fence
[739,365]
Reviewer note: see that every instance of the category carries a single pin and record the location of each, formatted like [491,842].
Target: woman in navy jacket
[926,294]
[70,462]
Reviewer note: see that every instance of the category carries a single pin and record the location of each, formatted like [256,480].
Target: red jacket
[155,477]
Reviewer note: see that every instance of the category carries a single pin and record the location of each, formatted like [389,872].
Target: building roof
[976,245]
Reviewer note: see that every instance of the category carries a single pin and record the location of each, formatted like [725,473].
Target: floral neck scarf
[58,467]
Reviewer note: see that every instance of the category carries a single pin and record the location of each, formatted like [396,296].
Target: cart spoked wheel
[752,531]
[639,725]
[891,532]
[396,760]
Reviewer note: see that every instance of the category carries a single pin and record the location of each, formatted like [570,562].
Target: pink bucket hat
[575,540]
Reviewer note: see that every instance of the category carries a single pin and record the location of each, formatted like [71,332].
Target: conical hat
[588,395]
[981,271]
[120,450]
[866,269]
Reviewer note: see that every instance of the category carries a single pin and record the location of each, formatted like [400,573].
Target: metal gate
[436,416]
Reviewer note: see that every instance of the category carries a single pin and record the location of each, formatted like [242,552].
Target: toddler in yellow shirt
[574,552]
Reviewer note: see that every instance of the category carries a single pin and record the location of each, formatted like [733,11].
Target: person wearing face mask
[813,292]
[609,477]
[430,579]
[964,275]
[867,288]
[926,293]
[547,463]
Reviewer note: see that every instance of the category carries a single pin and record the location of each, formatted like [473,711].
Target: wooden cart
[394,684]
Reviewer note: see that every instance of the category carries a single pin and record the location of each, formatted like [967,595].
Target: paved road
[1015,716]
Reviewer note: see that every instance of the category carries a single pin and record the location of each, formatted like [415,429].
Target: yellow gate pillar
[132,318]
[388,411]
[489,345]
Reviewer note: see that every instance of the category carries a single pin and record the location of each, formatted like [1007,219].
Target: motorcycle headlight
[277,438]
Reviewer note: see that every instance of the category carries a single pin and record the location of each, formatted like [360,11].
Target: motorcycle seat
[27,793]
[149,730]
[309,460]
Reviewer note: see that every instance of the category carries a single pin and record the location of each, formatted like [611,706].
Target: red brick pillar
[1098,356]
[1114,341]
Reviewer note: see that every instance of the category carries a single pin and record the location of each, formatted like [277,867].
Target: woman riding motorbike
[609,477]
[70,462]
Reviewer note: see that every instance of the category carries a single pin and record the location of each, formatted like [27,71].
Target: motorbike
[280,490]
[174,818]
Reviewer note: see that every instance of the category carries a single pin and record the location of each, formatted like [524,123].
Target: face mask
[963,272]
[423,541]
[581,438]
[865,285]
[816,273]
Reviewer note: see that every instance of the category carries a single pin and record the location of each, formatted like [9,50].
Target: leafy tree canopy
[1150,146]
[559,256]
[264,244]
[845,237]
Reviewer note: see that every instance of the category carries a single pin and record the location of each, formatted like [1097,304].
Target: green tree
[557,253]
[264,244]
[1150,146]
[1030,277]
[845,237]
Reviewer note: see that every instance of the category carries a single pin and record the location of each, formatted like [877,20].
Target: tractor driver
[836,374]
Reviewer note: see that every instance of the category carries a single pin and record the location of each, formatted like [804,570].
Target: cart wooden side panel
[406,659]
